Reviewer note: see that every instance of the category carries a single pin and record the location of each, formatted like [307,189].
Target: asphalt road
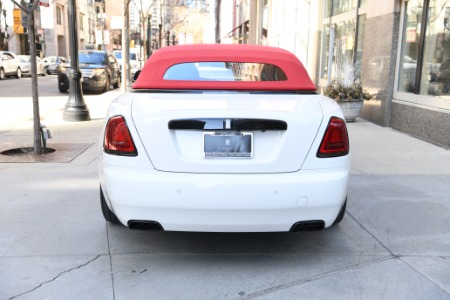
[16,99]
[12,87]
[393,243]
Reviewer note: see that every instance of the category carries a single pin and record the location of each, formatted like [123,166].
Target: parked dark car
[99,70]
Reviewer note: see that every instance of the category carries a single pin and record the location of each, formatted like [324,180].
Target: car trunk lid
[273,131]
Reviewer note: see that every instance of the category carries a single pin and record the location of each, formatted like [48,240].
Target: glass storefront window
[338,37]
[336,7]
[325,51]
[435,79]
[343,44]
[410,46]
[359,45]
[341,6]
[328,8]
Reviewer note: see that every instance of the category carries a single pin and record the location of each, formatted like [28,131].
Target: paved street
[394,241]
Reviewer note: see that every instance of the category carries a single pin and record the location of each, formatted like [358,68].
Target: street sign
[44,3]
[17,15]
[24,20]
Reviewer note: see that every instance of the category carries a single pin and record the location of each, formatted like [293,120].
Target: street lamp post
[75,109]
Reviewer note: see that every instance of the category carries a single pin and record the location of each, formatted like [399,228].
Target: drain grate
[63,153]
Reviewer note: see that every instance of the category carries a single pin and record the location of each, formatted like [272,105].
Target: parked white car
[9,65]
[257,151]
[25,65]
[134,61]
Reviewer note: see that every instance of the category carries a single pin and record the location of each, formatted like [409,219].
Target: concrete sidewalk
[394,242]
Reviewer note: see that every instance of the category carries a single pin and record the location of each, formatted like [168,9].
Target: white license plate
[227,144]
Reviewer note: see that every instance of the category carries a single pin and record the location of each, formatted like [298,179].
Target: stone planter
[351,109]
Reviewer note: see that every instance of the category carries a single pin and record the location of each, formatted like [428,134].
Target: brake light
[335,141]
[118,139]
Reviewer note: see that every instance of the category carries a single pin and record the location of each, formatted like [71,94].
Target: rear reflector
[335,140]
[118,139]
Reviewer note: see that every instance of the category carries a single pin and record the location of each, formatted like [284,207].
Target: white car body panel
[181,150]
[225,202]
[171,183]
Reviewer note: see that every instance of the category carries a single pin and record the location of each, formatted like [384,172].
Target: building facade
[400,50]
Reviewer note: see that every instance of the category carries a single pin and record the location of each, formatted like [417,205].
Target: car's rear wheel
[62,89]
[107,213]
[19,73]
[2,74]
[341,214]
[107,84]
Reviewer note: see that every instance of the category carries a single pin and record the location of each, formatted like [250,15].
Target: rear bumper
[96,84]
[87,84]
[224,202]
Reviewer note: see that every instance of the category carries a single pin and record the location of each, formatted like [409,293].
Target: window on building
[336,7]
[341,6]
[325,51]
[81,22]
[435,79]
[344,41]
[362,3]
[342,37]
[425,51]
[58,15]
[359,45]
[410,47]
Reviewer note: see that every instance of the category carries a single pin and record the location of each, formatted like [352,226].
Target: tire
[107,213]
[2,74]
[341,214]
[107,84]
[62,89]
[19,73]
[117,84]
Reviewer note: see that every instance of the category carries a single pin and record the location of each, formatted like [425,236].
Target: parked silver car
[52,63]
[9,65]
[25,65]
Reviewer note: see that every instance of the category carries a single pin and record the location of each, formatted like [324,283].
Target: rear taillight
[335,140]
[118,139]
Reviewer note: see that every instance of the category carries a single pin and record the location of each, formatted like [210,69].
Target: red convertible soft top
[152,75]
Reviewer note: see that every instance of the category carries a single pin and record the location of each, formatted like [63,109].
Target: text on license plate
[228,144]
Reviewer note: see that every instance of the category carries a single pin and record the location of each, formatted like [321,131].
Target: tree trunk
[34,86]
[37,141]
[126,46]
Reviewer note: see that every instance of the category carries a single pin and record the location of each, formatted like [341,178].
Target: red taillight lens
[118,139]
[335,140]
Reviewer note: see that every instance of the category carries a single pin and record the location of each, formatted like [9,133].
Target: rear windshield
[119,55]
[225,71]
[91,58]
